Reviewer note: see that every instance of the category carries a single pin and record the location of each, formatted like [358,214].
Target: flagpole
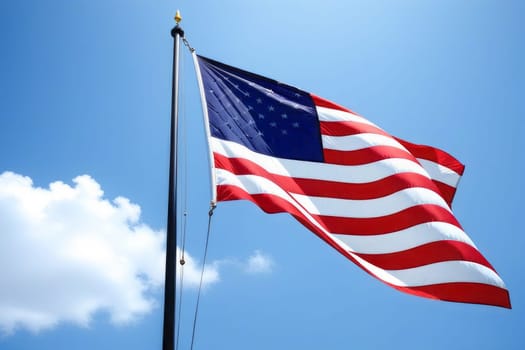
[168,336]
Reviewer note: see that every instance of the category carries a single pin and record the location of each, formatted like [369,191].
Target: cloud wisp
[259,262]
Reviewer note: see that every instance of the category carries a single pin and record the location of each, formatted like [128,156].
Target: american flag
[382,202]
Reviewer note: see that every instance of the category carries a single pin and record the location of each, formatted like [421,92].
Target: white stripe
[321,171]
[404,239]
[440,172]
[333,115]
[252,184]
[370,208]
[359,141]
[443,272]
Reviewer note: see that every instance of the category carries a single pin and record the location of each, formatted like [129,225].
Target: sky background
[85,89]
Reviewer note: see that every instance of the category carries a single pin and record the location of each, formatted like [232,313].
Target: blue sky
[85,95]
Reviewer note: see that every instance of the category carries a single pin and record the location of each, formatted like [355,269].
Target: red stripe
[425,254]
[433,154]
[329,189]
[346,128]
[462,292]
[401,220]
[365,155]
[321,102]
[446,191]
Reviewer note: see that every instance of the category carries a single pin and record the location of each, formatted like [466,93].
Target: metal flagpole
[168,336]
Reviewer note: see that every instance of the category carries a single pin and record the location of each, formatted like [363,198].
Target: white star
[259,101]
[295,125]
[297,94]
[284,132]
[273,124]
[271,109]
[284,116]
[261,116]
[247,94]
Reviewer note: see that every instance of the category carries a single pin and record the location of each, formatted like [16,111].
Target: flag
[382,202]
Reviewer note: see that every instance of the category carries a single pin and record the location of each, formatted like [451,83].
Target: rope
[210,214]
[179,310]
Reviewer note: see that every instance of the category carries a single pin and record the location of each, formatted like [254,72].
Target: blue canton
[262,114]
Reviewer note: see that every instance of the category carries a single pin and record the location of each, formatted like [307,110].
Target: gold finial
[178,17]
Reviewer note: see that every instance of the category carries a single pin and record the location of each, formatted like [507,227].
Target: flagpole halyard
[168,337]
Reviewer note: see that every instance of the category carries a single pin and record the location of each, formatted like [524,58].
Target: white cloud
[259,263]
[66,253]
